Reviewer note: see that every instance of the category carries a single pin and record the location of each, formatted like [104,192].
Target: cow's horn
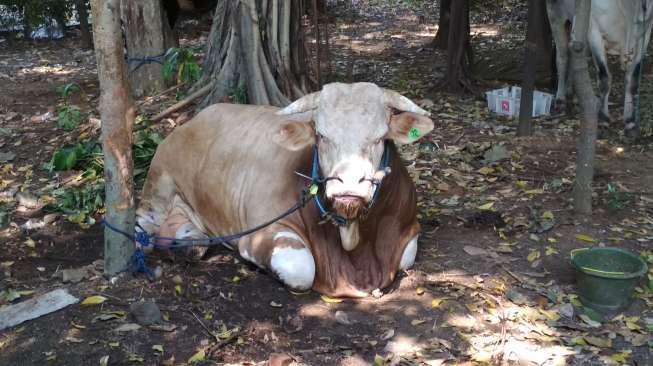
[398,101]
[306,103]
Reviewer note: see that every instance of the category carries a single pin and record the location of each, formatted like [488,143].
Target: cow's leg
[408,257]
[561,39]
[631,122]
[605,78]
[284,252]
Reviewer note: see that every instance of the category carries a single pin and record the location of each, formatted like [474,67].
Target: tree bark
[85,29]
[147,37]
[458,71]
[534,51]
[117,114]
[442,36]
[257,46]
[587,140]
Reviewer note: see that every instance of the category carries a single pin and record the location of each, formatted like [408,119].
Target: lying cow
[233,167]
[620,27]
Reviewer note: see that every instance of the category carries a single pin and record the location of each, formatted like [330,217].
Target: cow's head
[349,123]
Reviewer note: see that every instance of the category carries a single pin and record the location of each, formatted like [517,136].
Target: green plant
[239,94]
[180,66]
[69,117]
[616,200]
[79,203]
[144,149]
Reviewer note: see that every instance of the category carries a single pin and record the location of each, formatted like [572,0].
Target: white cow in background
[617,27]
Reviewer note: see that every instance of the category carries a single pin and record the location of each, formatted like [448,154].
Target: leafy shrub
[239,95]
[180,66]
[80,203]
[69,117]
[616,200]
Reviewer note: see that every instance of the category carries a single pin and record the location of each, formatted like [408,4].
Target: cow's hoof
[604,117]
[559,107]
[408,258]
[631,131]
[294,267]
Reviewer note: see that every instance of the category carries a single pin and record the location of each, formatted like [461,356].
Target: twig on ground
[182,103]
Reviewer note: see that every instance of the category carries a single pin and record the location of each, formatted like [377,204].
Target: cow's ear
[407,127]
[295,136]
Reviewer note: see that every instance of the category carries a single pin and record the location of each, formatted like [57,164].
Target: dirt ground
[492,282]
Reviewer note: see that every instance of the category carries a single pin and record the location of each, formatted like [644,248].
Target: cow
[619,27]
[233,167]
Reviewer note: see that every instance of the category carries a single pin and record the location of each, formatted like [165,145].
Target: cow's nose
[351,178]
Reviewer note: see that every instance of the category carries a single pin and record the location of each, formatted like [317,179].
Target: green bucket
[606,277]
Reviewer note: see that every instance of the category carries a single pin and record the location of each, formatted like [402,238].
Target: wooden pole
[117,114]
[587,140]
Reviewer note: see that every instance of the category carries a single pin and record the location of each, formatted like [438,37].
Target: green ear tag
[413,133]
[313,189]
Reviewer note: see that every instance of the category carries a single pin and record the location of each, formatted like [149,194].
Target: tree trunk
[587,140]
[442,36]
[147,37]
[458,71]
[117,114]
[256,47]
[85,29]
[534,51]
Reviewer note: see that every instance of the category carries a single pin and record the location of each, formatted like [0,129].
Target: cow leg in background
[561,40]
[631,122]
[600,58]
[290,259]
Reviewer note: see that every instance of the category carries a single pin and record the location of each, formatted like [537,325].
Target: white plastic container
[506,101]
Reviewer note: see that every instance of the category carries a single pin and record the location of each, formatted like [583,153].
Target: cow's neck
[350,235]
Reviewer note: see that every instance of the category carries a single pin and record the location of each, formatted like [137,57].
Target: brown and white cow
[233,167]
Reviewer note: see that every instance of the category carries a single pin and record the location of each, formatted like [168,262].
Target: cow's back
[227,168]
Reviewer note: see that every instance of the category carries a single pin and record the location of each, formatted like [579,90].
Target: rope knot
[142,238]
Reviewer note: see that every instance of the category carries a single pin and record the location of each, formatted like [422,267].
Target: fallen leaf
[516,297]
[379,361]
[197,357]
[94,300]
[417,322]
[127,327]
[78,326]
[578,341]
[622,356]
[599,342]
[435,303]
[330,300]
[533,255]
[275,304]
[158,348]
[114,344]
[486,207]
[30,243]
[342,318]
[471,250]
[585,238]
[178,289]
[482,356]
[589,321]
[551,251]
[104,360]
[387,335]
[420,291]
